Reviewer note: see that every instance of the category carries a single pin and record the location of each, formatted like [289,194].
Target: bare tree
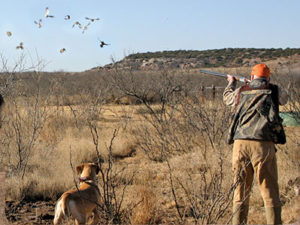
[25,114]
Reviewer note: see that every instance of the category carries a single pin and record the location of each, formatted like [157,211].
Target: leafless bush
[23,118]
[159,139]
[112,189]
[289,81]
[294,97]
[88,113]
[176,125]
[205,192]
[201,196]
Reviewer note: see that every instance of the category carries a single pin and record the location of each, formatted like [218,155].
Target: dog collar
[83,179]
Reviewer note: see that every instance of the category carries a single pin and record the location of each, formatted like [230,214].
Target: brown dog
[81,202]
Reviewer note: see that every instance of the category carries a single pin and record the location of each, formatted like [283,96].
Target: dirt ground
[42,213]
[38,212]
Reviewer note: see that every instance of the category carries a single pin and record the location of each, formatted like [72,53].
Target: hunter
[255,129]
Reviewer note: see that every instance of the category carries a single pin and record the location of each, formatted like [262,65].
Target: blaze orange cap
[261,70]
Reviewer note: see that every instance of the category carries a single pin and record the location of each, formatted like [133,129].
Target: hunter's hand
[230,78]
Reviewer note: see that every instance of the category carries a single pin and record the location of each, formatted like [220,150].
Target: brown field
[163,162]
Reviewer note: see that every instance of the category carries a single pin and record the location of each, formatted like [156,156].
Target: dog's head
[88,170]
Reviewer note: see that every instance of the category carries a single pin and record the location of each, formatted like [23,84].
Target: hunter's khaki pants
[251,157]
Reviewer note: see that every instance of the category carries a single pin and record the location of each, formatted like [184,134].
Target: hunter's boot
[240,214]
[273,215]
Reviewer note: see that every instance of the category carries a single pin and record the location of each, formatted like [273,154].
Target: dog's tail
[65,203]
[61,209]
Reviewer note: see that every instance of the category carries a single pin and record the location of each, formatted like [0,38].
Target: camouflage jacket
[256,114]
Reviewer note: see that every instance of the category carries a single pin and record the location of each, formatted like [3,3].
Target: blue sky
[132,26]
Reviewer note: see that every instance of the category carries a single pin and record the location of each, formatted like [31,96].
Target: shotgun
[237,77]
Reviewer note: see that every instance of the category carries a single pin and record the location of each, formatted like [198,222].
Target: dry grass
[61,140]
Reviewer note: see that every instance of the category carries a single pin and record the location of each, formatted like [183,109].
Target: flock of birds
[67,17]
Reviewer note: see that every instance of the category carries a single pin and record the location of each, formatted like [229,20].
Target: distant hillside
[189,59]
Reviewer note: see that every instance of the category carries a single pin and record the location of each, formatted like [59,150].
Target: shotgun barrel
[237,77]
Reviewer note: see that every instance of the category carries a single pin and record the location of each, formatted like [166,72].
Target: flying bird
[38,23]
[92,19]
[85,27]
[102,43]
[8,33]
[77,24]
[47,13]
[67,17]
[62,50]
[20,46]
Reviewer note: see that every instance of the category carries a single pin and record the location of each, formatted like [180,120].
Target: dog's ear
[96,167]
[79,169]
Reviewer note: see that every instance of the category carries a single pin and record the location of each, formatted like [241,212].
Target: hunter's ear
[79,169]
